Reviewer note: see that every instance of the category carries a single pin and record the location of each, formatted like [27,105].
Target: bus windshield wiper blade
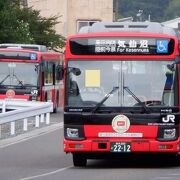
[104,99]
[19,81]
[4,79]
[136,98]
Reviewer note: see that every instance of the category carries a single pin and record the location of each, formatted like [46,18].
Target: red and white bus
[122,91]
[30,72]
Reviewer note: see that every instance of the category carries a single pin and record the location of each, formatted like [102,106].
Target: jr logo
[169,118]
[34,92]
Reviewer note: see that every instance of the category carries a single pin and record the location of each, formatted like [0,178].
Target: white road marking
[168,176]
[175,174]
[46,174]
[30,135]
[156,178]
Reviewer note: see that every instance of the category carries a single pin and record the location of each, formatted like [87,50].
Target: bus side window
[58,73]
[48,73]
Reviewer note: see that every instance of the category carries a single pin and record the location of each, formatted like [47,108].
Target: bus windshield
[136,81]
[18,74]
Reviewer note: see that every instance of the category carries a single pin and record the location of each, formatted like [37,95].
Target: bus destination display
[17,55]
[121,46]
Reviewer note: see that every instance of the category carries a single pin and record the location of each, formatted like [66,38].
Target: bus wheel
[79,160]
[55,109]
[173,159]
[56,103]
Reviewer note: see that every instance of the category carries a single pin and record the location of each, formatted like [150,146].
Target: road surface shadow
[136,161]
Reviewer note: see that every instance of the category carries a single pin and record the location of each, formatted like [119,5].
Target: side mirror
[60,72]
[76,71]
[171,67]
[176,61]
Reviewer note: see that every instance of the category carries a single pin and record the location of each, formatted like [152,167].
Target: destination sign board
[17,55]
[122,46]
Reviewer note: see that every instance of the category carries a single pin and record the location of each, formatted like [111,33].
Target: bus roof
[34,47]
[153,27]
[20,54]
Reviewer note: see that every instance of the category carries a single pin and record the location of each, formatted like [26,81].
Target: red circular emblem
[10,93]
[120,123]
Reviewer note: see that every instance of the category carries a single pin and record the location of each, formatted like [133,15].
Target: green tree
[25,25]
[155,8]
[173,9]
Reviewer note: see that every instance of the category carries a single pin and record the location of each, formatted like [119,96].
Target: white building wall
[101,10]
[70,11]
[49,8]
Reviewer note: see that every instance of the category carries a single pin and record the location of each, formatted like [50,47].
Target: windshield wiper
[4,79]
[104,99]
[136,98]
[18,80]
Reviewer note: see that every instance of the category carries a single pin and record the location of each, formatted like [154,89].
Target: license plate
[120,147]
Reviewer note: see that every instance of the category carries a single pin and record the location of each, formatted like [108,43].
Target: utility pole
[116,10]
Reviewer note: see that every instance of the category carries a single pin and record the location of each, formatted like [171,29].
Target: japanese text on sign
[121,46]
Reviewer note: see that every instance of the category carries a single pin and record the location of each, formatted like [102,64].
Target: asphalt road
[39,155]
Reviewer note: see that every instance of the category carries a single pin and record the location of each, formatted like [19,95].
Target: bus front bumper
[94,145]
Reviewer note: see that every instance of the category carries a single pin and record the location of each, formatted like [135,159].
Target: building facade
[174,23]
[74,14]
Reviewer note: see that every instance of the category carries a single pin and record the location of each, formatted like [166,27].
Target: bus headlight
[74,132]
[169,133]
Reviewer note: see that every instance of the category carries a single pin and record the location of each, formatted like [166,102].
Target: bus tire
[173,159]
[55,109]
[56,103]
[79,160]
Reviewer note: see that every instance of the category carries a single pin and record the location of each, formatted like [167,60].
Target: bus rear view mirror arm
[74,70]
[171,66]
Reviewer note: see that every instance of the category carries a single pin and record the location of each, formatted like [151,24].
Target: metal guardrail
[22,110]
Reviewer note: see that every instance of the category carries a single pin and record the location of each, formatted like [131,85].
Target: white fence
[22,110]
